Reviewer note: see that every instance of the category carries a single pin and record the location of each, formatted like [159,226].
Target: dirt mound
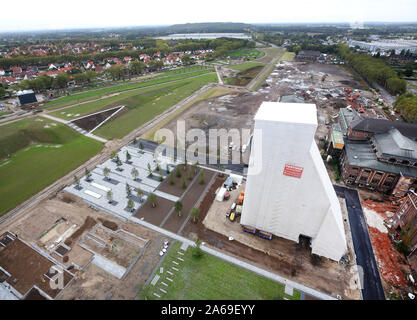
[388,258]
[109,224]
[88,224]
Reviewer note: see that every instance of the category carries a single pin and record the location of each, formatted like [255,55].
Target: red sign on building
[293,171]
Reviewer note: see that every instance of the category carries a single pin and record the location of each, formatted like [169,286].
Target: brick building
[378,154]
[405,222]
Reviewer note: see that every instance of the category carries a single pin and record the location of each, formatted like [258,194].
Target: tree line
[407,105]
[222,45]
[373,70]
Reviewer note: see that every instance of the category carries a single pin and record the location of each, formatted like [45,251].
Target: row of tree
[223,45]
[407,105]
[373,70]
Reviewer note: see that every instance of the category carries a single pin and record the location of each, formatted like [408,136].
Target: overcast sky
[57,14]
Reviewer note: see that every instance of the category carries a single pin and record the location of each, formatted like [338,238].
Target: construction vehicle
[227,196]
[228,212]
[241,197]
[249,229]
[232,216]
[265,235]
[239,210]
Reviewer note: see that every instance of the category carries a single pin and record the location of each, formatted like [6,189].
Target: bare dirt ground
[176,189]
[393,266]
[155,215]
[91,282]
[189,200]
[282,256]
[28,268]
[95,283]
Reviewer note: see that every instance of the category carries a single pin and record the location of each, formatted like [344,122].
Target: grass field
[246,65]
[38,157]
[210,278]
[144,107]
[248,54]
[211,93]
[95,94]
[143,104]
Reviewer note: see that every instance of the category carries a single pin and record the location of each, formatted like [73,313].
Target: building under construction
[289,193]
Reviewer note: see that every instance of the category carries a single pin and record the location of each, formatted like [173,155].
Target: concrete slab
[109,266]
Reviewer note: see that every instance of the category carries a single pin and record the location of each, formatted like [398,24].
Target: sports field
[210,278]
[143,105]
[40,153]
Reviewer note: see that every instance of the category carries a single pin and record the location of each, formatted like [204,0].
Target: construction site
[110,246]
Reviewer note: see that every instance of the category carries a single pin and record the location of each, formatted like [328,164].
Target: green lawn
[210,278]
[144,107]
[95,94]
[143,104]
[248,54]
[246,65]
[41,156]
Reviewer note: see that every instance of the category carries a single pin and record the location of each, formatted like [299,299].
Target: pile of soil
[87,225]
[89,123]
[109,224]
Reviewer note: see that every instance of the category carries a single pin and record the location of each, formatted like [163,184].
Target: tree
[77,182]
[178,207]
[141,146]
[109,196]
[190,173]
[202,177]
[87,175]
[136,67]
[134,173]
[150,170]
[113,155]
[130,204]
[118,164]
[61,80]
[152,199]
[106,172]
[184,183]
[161,178]
[128,190]
[197,251]
[171,178]
[128,157]
[194,213]
[167,169]
[139,192]
[221,168]
[186,59]
[178,172]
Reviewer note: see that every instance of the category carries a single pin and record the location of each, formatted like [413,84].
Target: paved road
[371,287]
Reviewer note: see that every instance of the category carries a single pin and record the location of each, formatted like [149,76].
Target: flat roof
[304,113]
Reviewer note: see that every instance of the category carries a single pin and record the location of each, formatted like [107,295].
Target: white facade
[279,202]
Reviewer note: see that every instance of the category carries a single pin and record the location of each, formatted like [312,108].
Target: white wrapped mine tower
[290,194]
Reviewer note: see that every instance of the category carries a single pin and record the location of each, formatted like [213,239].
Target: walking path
[75,127]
